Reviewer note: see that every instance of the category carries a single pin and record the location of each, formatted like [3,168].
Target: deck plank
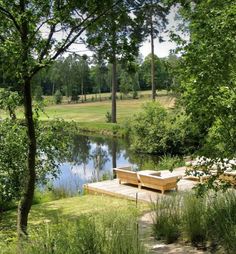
[113,188]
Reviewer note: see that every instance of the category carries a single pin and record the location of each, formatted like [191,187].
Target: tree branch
[46,48]
[67,44]
[11,17]
[70,39]
[38,28]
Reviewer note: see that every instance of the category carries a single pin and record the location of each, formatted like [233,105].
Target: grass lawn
[66,208]
[92,115]
[96,111]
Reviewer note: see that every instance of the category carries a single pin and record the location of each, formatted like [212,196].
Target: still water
[93,158]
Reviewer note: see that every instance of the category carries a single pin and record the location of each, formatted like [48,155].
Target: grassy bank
[64,208]
[91,116]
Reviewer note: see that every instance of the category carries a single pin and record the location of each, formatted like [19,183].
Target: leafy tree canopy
[209,72]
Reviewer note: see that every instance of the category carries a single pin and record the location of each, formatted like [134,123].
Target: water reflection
[93,159]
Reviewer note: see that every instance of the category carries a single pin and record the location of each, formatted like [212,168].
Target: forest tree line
[75,76]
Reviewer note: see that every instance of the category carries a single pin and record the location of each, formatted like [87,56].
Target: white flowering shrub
[215,164]
[217,174]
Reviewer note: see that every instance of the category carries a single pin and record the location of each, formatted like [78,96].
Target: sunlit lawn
[96,111]
[67,208]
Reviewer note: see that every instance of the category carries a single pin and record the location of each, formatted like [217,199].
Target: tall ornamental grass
[193,221]
[208,221]
[110,233]
[221,221]
[167,219]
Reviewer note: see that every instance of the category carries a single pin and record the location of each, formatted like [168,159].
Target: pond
[93,159]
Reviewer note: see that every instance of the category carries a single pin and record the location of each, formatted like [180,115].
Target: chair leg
[162,192]
[119,181]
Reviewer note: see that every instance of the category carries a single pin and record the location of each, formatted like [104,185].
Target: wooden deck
[113,188]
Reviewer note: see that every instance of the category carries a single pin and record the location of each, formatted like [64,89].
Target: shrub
[75,97]
[135,95]
[155,130]
[169,162]
[148,128]
[58,97]
[167,219]
[108,117]
[38,94]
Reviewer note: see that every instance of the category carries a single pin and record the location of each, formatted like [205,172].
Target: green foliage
[210,219]
[74,97]
[155,130]
[135,95]
[38,94]
[208,73]
[163,77]
[9,101]
[129,81]
[221,221]
[108,233]
[115,35]
[167,219]
[53,142]
[12,160]
[193,219]
[169,162]
[58,97]
[108,117]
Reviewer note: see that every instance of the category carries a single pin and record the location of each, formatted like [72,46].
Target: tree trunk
[30,174]
[100,97]
[28,190]
[53,88]
[113,109]
[82,89]
[152,64]
[114,149]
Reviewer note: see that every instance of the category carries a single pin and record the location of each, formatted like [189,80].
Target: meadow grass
[65,208]
[94,112]
[106,233]
[91,116]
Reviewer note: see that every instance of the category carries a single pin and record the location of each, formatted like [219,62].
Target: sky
[160,49]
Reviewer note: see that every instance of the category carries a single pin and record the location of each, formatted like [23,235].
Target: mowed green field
[96,111]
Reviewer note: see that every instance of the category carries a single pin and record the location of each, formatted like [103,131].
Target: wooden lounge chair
[125,175]
[161,183]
